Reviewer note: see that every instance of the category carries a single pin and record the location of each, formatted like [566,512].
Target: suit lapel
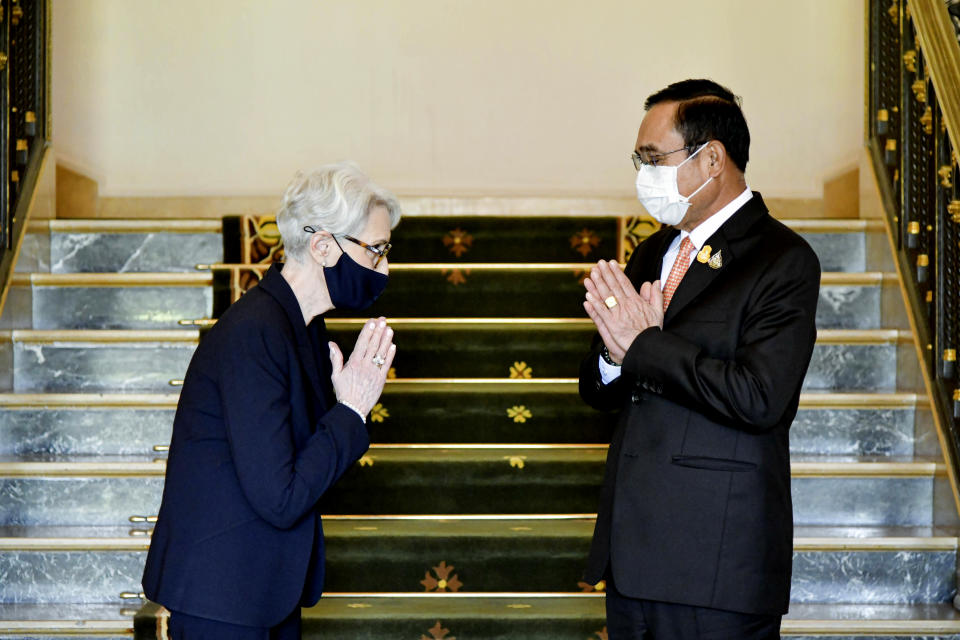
[700,275]
[649,267]
[309,362]
[274,284]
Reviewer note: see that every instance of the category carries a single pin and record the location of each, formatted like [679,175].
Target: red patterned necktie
[680,266]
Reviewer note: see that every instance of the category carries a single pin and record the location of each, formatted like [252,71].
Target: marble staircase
[93,311]
[472,513]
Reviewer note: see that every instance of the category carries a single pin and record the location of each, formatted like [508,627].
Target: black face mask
[352,286]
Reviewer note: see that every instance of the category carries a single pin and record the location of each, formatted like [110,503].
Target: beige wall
[463,97]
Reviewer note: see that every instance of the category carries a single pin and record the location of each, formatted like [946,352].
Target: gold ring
[378,360]
[611,302]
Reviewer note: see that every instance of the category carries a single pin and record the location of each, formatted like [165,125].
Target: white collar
[708,227]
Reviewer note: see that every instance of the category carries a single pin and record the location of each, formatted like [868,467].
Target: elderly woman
[270,416]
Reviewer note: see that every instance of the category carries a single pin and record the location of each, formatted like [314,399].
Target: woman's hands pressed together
[359,382]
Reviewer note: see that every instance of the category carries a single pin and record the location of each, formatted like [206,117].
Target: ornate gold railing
[25,121]
[913,130]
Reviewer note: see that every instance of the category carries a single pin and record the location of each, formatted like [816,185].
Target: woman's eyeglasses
[379,251]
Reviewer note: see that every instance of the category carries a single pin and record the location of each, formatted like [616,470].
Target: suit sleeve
[281,482]
[605,397]
[753,390]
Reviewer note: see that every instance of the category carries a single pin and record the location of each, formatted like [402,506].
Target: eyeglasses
[653,159]
[379,251]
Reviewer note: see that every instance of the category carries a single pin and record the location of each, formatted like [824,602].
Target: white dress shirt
[699,236]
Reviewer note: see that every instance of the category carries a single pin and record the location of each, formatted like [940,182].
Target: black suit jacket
[696,506]
[257,439]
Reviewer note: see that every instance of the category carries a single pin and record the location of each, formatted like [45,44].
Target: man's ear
[715,157]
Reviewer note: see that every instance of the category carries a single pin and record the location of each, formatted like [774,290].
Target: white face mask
[659,193]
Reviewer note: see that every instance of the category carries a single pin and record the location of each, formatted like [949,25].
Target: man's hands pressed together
[618,310]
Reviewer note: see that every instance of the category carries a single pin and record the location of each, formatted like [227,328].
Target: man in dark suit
[703,343]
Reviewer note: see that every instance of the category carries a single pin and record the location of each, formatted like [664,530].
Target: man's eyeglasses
[653,159]
[379,251]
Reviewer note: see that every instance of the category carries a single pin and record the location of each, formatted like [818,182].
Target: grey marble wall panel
[18,309]
[852,367]
[853,432]
[849,307]
[132,367]
[897,577]
[872,501]
[133,252]
[119,307]
[80,576]
[77,500]
[34,254]
[84,431]
[839,251]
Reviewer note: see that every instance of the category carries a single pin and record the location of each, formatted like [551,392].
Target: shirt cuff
[608,372]
[363,418]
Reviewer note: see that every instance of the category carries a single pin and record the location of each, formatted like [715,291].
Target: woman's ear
[319,247]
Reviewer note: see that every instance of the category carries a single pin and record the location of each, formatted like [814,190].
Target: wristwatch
[606,357]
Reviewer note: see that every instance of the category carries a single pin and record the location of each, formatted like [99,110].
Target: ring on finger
[611,302]
[379,360]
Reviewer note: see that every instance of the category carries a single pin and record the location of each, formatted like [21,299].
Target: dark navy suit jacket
[257,439]
[696,505]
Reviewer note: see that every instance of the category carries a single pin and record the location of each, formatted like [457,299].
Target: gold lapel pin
[704,255]
[716,261]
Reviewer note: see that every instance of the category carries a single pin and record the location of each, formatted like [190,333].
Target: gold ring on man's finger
[611,302]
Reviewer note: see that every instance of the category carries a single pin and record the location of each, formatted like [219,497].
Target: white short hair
[336,198]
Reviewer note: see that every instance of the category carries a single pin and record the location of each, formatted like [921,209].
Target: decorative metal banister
[913,131]
[25,122]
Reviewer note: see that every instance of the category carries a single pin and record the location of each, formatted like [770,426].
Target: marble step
[60,620]
[150,245]
[846,245]
[162,300]
[85,424]
[120,246]
[148,361]
[94,361]
[847,300]
[454,411]
[107,300]
[511,238]
[842,245]
[843,360]
[465,479]
[82,565]
[566,479]
[551,616]
[494,554]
